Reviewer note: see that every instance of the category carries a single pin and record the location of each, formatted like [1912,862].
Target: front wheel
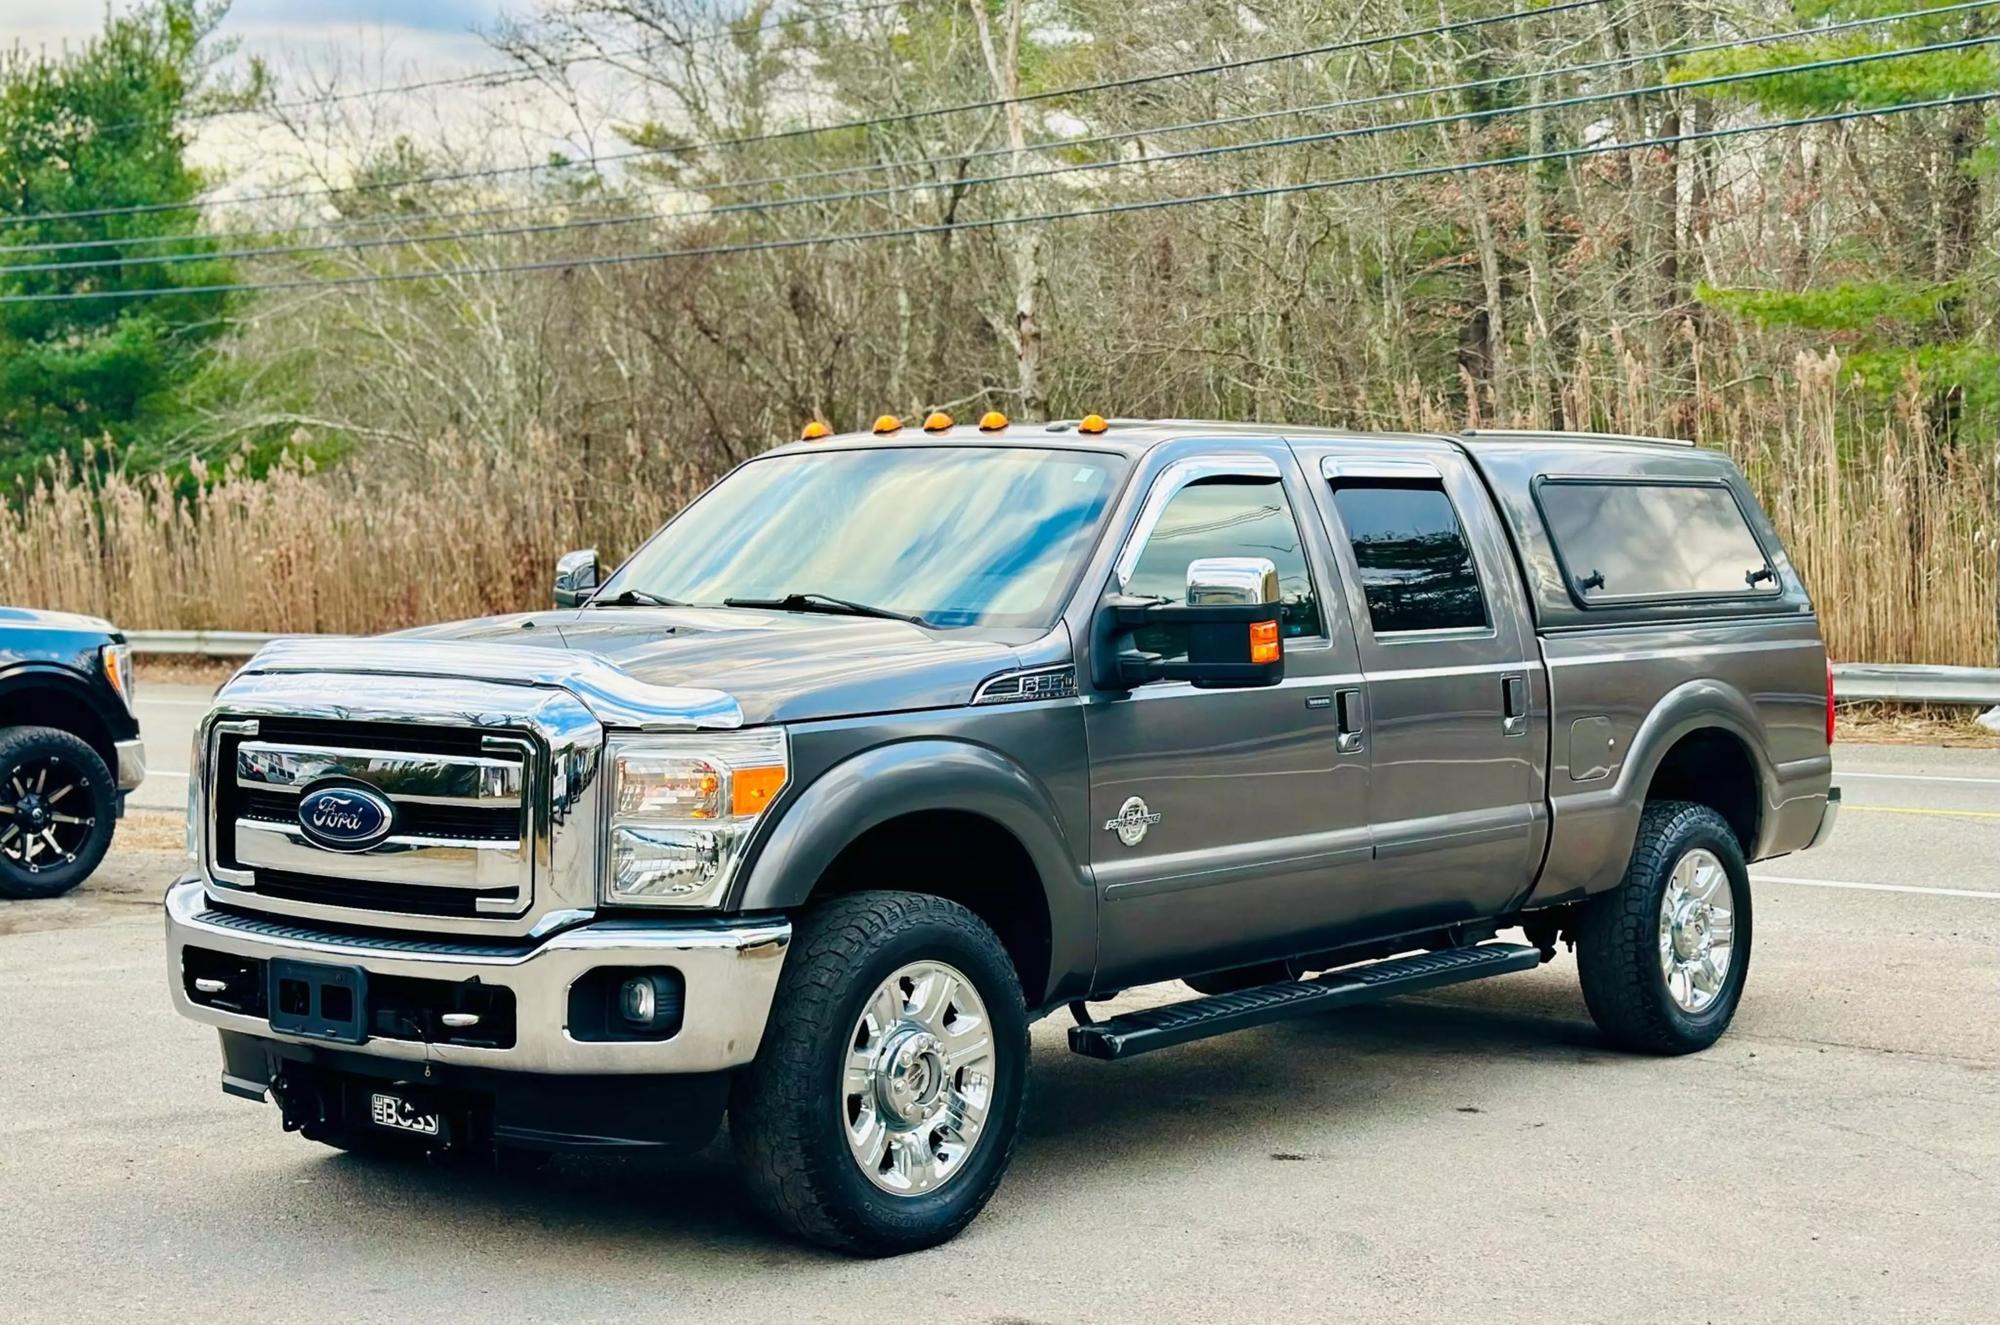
[1664,955]
[883,1106]
[57,809]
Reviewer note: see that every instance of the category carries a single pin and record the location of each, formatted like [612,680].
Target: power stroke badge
[1132,822]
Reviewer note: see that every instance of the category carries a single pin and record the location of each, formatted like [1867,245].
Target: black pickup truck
[69,747]
[891,743]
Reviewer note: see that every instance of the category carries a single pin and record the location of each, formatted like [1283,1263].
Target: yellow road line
[1912,809]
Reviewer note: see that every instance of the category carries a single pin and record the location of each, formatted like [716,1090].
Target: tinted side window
[1415,566]
[1224,517]
[1624,540]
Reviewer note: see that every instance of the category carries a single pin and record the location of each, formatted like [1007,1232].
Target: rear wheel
[1663,957]
[882,1108]
[57,811]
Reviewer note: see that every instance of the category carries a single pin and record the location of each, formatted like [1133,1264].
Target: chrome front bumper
[131,769]
[731,968]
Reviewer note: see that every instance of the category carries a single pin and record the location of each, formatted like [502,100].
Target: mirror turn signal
[1264,644]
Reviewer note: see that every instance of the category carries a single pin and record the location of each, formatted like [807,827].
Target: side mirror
[1231,620]
[576,577]
[1251,581]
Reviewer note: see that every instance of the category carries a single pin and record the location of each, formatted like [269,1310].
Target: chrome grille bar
[428,779]
[497,868]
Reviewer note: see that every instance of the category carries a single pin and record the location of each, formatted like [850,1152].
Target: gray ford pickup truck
[891,743]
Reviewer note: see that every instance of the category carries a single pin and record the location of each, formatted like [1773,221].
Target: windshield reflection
[957,536]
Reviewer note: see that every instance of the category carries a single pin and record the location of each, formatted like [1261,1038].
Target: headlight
[681,809]
[118,671]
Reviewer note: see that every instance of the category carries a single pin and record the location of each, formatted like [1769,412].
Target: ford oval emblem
[345,818]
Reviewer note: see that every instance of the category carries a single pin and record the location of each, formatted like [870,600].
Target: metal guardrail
[199,643]
[1897,683]
[1913,683]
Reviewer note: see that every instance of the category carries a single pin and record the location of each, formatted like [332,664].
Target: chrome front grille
[494,818]
[460,842]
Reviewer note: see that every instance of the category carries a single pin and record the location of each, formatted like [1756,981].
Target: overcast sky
[355,44]
[432,32]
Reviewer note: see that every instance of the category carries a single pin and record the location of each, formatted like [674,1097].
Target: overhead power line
[1035,218]
[868,122]
[1067,168]
[1045,145]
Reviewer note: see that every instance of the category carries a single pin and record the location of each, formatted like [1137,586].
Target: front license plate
[399,1115]
[319,1001]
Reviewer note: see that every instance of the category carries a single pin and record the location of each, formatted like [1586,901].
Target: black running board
[1199,1018]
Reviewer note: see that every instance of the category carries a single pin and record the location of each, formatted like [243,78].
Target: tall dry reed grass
[456,529]
[1895,536]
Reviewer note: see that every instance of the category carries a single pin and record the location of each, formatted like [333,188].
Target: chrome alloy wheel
[37,830]
[917,1079]
[1697,930]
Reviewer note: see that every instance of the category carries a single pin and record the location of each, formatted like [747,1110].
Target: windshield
[955,536]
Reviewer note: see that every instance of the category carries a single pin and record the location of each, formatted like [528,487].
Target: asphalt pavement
[1474,1153]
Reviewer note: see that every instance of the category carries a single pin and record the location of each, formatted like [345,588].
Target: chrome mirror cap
[576,577]
[1239,580]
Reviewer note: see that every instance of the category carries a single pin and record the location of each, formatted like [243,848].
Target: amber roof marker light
[1092,423]
[888,423]
[936,421]
[992,421]
[814,430]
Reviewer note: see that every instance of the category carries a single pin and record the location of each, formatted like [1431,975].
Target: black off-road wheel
[58,807]
[884,1103]
[1663,957]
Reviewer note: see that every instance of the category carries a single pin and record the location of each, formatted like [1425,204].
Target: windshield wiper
[819,602]
[636,598]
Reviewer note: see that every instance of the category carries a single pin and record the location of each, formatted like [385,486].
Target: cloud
[51,23]
[322,17]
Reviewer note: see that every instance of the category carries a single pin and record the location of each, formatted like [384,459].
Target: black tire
[1618,940]
[46,763]
[786,1107]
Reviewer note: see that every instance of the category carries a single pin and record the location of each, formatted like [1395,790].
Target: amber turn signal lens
[936,421]
[753,789]
[992,421]
[813,431]
[1092,423]
[888,423]
[1264,645]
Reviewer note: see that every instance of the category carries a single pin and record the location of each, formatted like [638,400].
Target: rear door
[1457,698]
[1227,825]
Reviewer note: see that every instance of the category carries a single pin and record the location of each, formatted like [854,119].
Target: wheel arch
[1703,742]
[1596,825]
[49,695]
[948,818]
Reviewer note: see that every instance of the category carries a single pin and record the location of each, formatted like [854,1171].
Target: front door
[1227,825]
[1457,700]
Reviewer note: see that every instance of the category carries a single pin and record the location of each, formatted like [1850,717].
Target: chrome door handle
[1513,705]
[1349,740]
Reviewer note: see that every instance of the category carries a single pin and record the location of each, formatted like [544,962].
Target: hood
[36,617]
[779,666]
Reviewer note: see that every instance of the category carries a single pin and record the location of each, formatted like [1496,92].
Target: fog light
[623,1003]
[638,1001]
